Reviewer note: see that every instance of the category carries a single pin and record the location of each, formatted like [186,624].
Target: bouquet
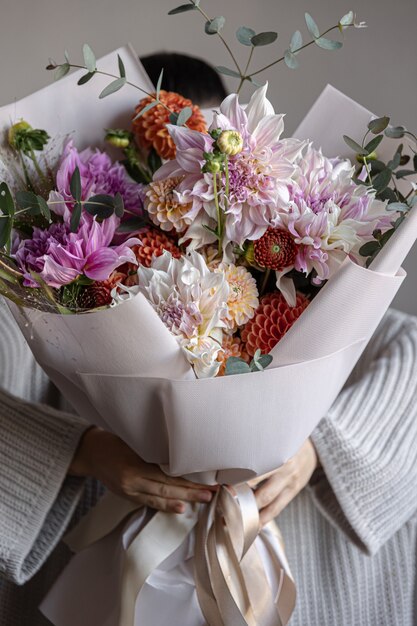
[148,286]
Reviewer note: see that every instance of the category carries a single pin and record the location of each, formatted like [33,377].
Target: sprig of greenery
[248,37]
[236,365]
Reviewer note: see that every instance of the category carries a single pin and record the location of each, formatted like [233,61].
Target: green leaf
[182,9]
[6,200]
[154,160]
[89,58]
[6,225]
[382,180]
[27,200]
[132,225]
[235,365]
[114,86]
[75,184]
[159,83]
[173,118]
[347,19]
[148,107]
[374,143]
[328,44]
[354,145]
[119,206]
[378,125]
[291,60]
[244,35]
[61,71]
[225,70]
[313,29]
[264,39]
[44,208]
[215,25]
[184,115]
[369,248]
[84,79]
[296,41]
[122,70]
[395,132]
[398,206]
[75,217]
[101,205]
[404,173]
[394,163]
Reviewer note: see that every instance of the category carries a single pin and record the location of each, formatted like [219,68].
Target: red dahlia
[272,319]
[154,242]
[275,250]
[94,296]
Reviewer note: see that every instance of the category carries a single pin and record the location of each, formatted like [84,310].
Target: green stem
[368,171]
[28,181]
[243,78]
[310,43]
[219,215]
[38,168]
[265,281]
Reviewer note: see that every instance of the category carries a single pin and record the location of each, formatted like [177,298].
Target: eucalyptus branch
[297,50]
[244,77]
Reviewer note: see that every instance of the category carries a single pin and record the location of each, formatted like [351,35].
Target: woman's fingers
[168,492]
[153,472]
[160,504]
[276,507]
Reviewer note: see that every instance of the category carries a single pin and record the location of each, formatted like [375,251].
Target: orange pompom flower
[150,128]
[272,319]
[231,346]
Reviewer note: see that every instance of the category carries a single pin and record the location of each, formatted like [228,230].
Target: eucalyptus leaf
[148,107]
[374,143]
[61,71]
[75,217]
[75,184]
[114,86]
[296,41]
[328,44]
[225,70]
[397,206]
[184,115]
[44,208]
[394,163]
[313,29]
[347,19]
[6,225]
[382,180]
[369,248]
[182,9]
[89,58]
[119,206]
[159,83]
[404,173]
[354,146]
[235,365]
[378,125]
[244,35]
[291,60]
[6,200]
[395,132]
[84,79]
[215,25]
[122,70]
[173,118]
[132,225]
[27,200]
[154,161]
[264,39]
[101,205]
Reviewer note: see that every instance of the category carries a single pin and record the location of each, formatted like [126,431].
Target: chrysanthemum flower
[243,295]
[275,250]
[231,346]
[151,128]
[273,318]
[163,206]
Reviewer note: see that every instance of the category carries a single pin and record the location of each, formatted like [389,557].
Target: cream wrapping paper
[122,369]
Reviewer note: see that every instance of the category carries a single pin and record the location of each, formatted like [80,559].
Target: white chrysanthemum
[191,301]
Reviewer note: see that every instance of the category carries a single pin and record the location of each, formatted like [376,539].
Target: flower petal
[55,275]
[268,131]
[258,107]
[100,263]
[231,108]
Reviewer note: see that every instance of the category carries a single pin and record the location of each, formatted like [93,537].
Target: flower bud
[230,142]
[118,138]
[16,130]
[369,157]
[250,253]
[212,166]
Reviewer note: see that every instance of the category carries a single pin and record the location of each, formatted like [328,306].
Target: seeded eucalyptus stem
[306,45]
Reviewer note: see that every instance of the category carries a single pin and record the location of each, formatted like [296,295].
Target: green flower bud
[250,253]
[230,142]
[118,138]
[213,167]
[370,157]
[15,133]
[26,139]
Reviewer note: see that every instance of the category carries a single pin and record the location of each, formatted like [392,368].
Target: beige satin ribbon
[231,581]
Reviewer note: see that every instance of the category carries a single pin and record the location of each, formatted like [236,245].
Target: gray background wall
[377,66]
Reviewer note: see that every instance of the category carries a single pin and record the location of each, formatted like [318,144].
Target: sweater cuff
[37,498]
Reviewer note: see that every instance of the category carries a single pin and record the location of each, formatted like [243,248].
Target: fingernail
[179,508]
[205,496]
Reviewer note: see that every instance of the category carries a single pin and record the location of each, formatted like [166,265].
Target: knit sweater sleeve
[367,444]
[37,499]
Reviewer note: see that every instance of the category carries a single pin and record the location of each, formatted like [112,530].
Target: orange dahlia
[162,206]
[273,318]
[275,250]
[231,346]
[153,244]
[150,128]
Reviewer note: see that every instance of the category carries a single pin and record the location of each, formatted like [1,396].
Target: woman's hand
[107,458]
[281,486]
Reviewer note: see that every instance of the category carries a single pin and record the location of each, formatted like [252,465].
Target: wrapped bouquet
[149,287]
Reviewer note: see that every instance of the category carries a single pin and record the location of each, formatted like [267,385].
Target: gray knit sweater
[350,536]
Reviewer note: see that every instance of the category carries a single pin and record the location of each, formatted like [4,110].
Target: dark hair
[191,77]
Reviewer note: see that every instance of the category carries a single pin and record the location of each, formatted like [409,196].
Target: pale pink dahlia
[243,296]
